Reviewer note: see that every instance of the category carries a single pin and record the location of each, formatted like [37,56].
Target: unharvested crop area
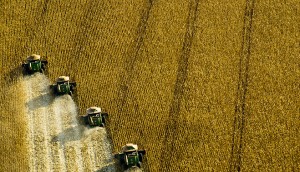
[201,85]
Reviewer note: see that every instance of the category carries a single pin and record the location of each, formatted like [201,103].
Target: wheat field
[201,85]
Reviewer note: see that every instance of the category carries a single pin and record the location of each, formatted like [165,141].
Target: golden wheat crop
[202,86]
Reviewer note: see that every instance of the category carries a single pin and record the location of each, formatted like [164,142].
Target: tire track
[44,9]
[126,77]
[235,162]
[82,34]
[174,112]
[131,61]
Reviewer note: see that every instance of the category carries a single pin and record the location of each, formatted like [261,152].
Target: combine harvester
[63,86]
[95,117]
[130,157]
[34,64]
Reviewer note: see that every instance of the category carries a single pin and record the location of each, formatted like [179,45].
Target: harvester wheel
[71,87]
[43,66]
[121,158]
[103,120]
[139,164]
[42,70]
[141,157]
[85,120]
[125,167]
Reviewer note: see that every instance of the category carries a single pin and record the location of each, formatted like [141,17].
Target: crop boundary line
[178,93]
[235,162]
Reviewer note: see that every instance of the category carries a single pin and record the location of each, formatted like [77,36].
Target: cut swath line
[40,157]
[43,157]
[31,147]
[78,132]
[43,115]
[57,149]
[71,134]
[89,152]
[102,149]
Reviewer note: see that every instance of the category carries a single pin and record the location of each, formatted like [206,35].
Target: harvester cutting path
[56,140]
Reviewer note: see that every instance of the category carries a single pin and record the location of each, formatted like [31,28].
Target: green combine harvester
[34,64]
[63,86]
[130,156]
[95,117]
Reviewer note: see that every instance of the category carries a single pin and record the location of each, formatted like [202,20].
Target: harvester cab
[63,86]
[130,156]
[95,117]
[34,64]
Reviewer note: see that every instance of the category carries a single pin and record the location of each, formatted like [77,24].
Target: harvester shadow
[70,134]
[43,100]
[107,168]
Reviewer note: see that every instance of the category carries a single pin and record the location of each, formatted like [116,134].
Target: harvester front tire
[103,120]
[42,71]
[141,157]
[125,167]
[85,120]
[139,164]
